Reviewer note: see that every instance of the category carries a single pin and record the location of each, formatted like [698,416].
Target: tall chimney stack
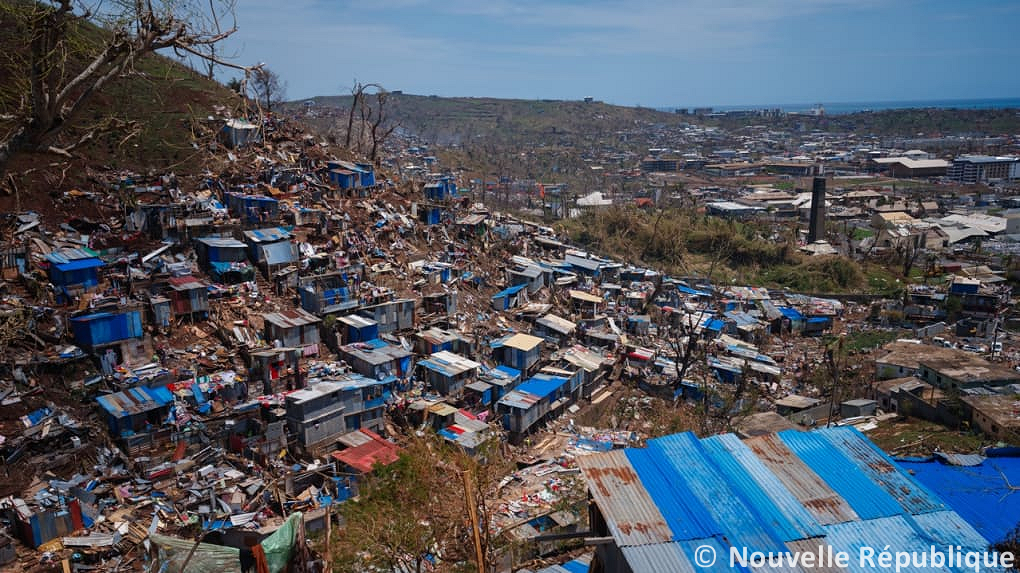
[816,230]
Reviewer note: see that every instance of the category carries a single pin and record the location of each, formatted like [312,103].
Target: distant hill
[459,120]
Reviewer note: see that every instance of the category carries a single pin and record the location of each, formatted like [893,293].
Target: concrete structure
[983,169]
[816,229]
[907,167]
[997,416]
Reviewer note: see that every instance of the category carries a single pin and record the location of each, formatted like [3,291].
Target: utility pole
[469,493]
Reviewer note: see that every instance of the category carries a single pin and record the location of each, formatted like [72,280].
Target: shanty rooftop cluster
[242,348]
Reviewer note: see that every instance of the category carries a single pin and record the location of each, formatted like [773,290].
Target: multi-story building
[983,168]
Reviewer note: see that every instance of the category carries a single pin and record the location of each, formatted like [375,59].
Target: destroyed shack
[114,337]
[432,340]
[294,329]
[377,359]
[189,297]
[555,329]
[441,190]
[586,304]
[366,450]
[252,209]
[271,249]
[319,414]
[531,275]
[391,316]
[510,297]
[238,133]
[226,260]
[331,293]
[441,303]
[519,351]
[447,373]
[135,411]
[73,272]
[355,328]
[37,527]
[532,402]
[316,414]
[277,368]
[501,379]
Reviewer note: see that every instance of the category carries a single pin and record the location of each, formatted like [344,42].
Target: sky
[658,53]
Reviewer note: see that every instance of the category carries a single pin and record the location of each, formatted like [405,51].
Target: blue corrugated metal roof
[760,488]
[512,372]
[894,532]
[688,290]
[134,400]
[684,515]
[510,291]
[66,255]
[78,264]
[866,498]
[702,479]
[542,386]
[660,557]
[576,566]
[724,493]
[912,496]
[267,235]
[950,528]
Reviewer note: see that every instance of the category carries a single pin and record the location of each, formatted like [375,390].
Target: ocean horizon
[840,108]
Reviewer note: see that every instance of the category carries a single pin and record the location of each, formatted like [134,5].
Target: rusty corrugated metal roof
[820,500]
[632,516]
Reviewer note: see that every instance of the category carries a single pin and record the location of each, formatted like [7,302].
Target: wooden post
[469,494]
[328,568]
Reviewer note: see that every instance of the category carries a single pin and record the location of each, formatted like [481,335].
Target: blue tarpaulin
[791,313]
[981,494]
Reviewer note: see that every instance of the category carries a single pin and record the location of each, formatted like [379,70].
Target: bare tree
[60,71]
[379,129]
[357,92]
[909,249]
[373,127]
[268,88]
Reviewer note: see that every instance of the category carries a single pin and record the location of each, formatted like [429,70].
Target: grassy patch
[912,437]
[880,280]
[869,339]
[862,233]
[817,274]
